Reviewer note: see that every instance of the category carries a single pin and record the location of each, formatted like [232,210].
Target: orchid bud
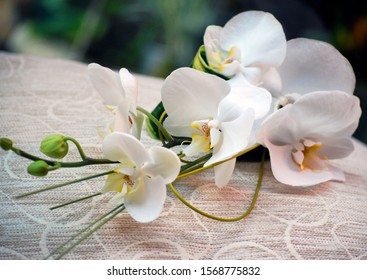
[6,144]
[38,168]
[55,146]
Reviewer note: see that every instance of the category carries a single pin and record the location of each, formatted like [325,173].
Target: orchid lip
[305,155]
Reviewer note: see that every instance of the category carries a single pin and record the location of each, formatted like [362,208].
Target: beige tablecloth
[40,96]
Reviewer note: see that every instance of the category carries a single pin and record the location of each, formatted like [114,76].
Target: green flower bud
[6,144]
[54,146]
[38,168]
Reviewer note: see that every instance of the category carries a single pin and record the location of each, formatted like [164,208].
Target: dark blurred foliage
[156,37]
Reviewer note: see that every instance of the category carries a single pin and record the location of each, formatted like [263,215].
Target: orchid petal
[259,36]
[138,121]
[130,86]
[259,99]
[331,113]
[223,172]
[117,199]
[145,202]
[165,164]
[199,144]
[272,81]
[279,128]
[335,148]
[212,37]
[122,123]
[107,83]
[319,115]
[190,95]
[121,147]
[215,136]
[113,182]
[236,134]
[286,171]
[312,65]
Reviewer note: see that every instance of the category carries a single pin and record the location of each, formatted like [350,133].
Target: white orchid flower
[202,106]
[141,178]
[119,92]
[304,136]
[311,65]
[248,47]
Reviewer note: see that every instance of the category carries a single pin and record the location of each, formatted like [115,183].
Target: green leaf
[151,127]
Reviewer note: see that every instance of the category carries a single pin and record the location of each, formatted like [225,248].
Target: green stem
[80,149]
[65,184]
[108,216]
[74,201]
[84,162]
[223,219]
[197,170]
[157,123]
[194,164]
[176,142]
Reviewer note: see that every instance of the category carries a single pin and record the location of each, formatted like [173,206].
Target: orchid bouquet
[247,87]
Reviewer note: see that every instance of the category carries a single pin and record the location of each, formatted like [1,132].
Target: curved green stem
[76,143]
[157,123]
[223,219]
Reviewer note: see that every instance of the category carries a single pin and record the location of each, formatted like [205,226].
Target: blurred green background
[157,36]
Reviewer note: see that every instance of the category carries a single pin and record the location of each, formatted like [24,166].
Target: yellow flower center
[306,155]
[219,61]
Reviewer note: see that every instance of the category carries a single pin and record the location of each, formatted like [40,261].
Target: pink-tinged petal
[145,202]
[336,148]
[312,65]
[123,147]
[165,164]
[107,83]
[114,183]
[259,36]
[189,95]
[326,114]
[130,86]
[279,127]
[223,172]
[287,172]
[317,115]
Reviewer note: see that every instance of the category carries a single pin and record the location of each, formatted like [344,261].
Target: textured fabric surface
[41,96]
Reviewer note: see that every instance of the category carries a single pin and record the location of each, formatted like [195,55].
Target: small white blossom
[140,180]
